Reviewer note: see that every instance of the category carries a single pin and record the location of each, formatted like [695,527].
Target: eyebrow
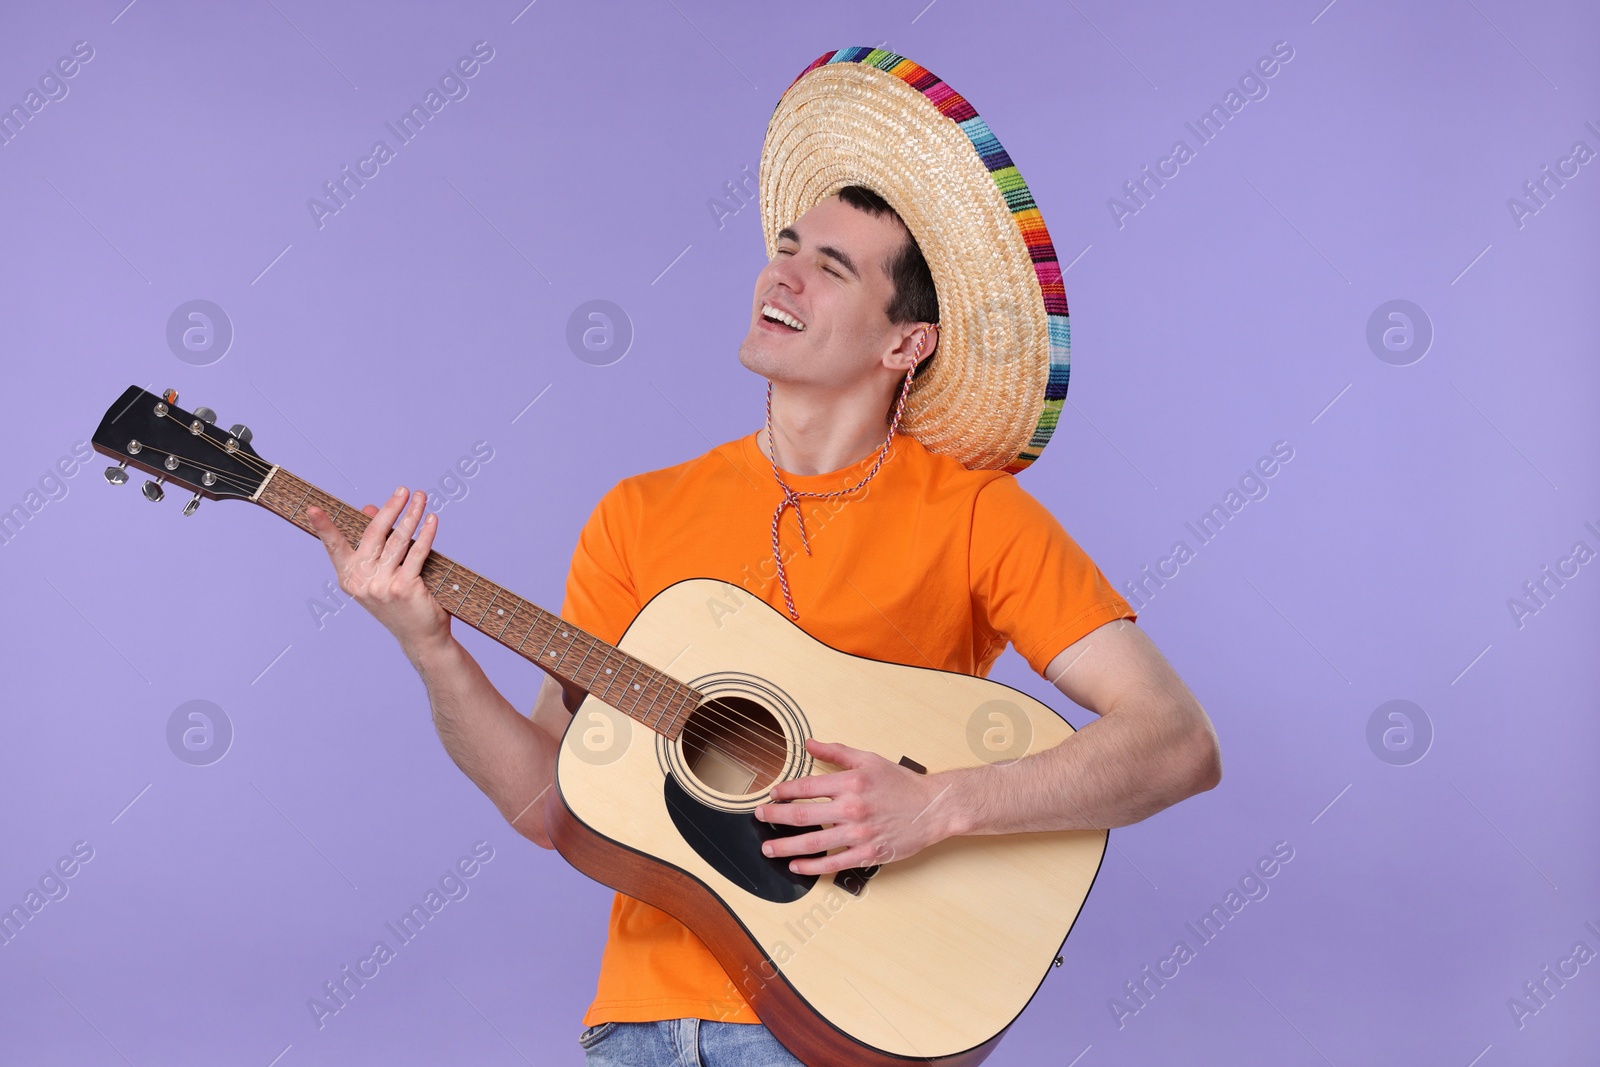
[827,250]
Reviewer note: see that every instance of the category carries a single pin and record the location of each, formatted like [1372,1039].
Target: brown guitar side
[810,1037]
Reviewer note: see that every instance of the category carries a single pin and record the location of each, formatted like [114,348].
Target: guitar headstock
[177,447]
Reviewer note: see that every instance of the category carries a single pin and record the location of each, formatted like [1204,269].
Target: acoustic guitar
[689,720]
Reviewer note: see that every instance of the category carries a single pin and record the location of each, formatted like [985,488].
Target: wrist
[961,801]
[434,653]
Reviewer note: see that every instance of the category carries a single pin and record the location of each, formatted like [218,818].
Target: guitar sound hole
[734,745]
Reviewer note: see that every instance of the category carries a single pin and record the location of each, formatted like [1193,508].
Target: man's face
[830,273]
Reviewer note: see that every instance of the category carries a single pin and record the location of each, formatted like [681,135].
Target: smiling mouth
[774,318]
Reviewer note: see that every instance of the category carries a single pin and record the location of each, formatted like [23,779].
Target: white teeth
[768,311]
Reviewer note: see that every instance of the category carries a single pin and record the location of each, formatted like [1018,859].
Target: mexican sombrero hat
[866,116]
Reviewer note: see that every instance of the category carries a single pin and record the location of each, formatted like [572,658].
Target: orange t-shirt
[930,564]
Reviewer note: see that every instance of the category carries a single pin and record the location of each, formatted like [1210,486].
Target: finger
[812,785]
[804,844]
[810,813]
[860,856]
[421,546]
[369,510]
[330,535]
[400,537]
[841,755]
[378,529]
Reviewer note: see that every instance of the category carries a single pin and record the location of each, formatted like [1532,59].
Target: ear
[905,355]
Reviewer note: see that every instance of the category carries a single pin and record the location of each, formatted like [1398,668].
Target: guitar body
[928,958]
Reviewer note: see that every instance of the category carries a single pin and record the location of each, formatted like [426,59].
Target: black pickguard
[731,842]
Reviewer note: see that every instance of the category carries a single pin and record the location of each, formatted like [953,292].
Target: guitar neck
[632,686]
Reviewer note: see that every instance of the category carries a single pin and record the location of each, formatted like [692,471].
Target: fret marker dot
[552,651]
[456,587]
[565,634]
[608,670]
[636,686]
[499,611]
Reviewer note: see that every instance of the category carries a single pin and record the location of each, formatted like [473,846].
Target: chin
[755,357]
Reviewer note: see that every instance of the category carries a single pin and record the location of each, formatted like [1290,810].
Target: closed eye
[825,269]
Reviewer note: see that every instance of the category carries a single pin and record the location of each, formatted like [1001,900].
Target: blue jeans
[683,1043]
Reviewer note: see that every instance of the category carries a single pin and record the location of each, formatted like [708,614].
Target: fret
[479,624]
[527,635]
[611,675]
[473,584]
[660,691]
[587,652]
[632,684]
[554,629]
[675,727]
[296,512]
[514,609]
[449,569]
[644,710]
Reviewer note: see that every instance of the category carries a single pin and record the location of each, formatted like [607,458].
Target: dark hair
[915,299]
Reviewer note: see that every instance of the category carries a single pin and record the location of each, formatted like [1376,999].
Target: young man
[921,547]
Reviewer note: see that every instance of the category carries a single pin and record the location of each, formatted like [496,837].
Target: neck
[818,432]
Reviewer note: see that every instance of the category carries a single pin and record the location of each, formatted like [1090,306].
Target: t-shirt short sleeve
[601,597]
[1031,583]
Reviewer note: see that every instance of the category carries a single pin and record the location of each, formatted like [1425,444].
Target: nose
[784,269]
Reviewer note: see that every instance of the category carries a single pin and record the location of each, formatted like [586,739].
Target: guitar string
[711,710]
[706,738]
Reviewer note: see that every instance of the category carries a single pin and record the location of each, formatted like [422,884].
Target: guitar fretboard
[632,686]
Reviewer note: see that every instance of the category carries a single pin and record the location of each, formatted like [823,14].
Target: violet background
[1228,314]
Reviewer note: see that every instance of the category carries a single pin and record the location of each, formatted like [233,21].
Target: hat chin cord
[791,497]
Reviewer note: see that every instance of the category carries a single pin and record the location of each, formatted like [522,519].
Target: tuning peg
[205,415]
[193,505]
[240,432]
[118,475]
[169,395]
[152,490]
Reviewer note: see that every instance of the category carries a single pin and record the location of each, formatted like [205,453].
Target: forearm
[1117,770]
[505,754]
